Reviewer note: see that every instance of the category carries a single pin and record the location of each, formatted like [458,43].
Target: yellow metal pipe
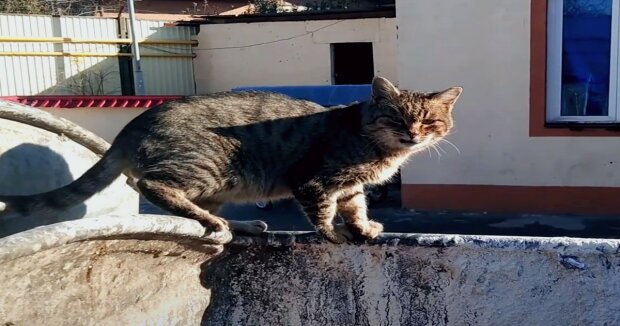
[89,54]
[94,41]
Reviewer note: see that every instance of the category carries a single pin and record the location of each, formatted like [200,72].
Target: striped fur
[190,156]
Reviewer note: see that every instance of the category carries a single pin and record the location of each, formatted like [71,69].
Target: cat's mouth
[414,142]
[408,142]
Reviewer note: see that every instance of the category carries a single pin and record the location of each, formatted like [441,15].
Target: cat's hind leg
[176,202]
[254,227]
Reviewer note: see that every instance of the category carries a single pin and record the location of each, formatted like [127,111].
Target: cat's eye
[428,121]
[390,122]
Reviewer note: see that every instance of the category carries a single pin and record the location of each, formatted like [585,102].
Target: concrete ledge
[55,235]
[583,245]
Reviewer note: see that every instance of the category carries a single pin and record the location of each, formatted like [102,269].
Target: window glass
[586,41]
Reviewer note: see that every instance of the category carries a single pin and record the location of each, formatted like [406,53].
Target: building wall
[285,53]
[104,122]
[484,46]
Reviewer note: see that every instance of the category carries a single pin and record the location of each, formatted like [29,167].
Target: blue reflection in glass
[586,42]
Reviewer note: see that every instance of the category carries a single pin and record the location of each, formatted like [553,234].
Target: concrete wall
[485,47]
[104,122]
[294,53]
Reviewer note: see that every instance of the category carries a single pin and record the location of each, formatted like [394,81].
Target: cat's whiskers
[373,141]
[429,152]
[451,144]
[435,148]
[441,149]
[436,144]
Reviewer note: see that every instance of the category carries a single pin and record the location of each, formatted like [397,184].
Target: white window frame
[554,68]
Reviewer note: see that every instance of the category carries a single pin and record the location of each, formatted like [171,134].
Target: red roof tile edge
[86,101]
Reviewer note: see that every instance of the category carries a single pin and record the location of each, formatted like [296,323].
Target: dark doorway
[352,63]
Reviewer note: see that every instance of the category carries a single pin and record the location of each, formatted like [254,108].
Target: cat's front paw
[218,237]
[338,233]
[249,227]
[369,230]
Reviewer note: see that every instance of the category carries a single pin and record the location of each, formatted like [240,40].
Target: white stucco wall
[484,46]
[293,54]
[103,122]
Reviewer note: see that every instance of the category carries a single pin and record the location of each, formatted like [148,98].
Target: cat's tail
[97,178]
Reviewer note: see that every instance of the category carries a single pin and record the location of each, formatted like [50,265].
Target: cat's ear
[448,97]
[383,89]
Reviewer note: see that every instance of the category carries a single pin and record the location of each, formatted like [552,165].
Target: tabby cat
[190,156]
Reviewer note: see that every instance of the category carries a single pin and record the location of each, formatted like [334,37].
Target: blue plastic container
[326,95]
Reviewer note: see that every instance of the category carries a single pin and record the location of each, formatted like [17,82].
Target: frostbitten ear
[383,89]
[448,97]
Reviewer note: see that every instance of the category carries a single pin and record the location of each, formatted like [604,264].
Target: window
[352,63]
[582,61]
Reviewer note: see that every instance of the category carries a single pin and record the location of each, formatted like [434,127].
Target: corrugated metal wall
[162,72]
[89,74]
[23,73]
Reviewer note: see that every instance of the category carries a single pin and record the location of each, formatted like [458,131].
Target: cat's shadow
[304,137]
[30,168]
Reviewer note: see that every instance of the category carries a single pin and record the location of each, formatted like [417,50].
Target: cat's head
[404,120]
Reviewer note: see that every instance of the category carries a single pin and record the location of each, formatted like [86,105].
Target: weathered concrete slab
[140,270]
[416,280]
[157,270]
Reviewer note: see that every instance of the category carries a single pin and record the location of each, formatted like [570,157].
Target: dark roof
[385,12]
[178,6]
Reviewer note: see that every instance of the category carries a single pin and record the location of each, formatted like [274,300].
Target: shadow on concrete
[216,279]
[285,215]
[29,169]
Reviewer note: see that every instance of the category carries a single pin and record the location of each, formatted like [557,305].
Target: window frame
[553,115]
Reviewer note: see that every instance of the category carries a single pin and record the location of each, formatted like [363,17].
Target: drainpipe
[137,68]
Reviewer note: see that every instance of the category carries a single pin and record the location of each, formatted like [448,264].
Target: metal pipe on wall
[137,67]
